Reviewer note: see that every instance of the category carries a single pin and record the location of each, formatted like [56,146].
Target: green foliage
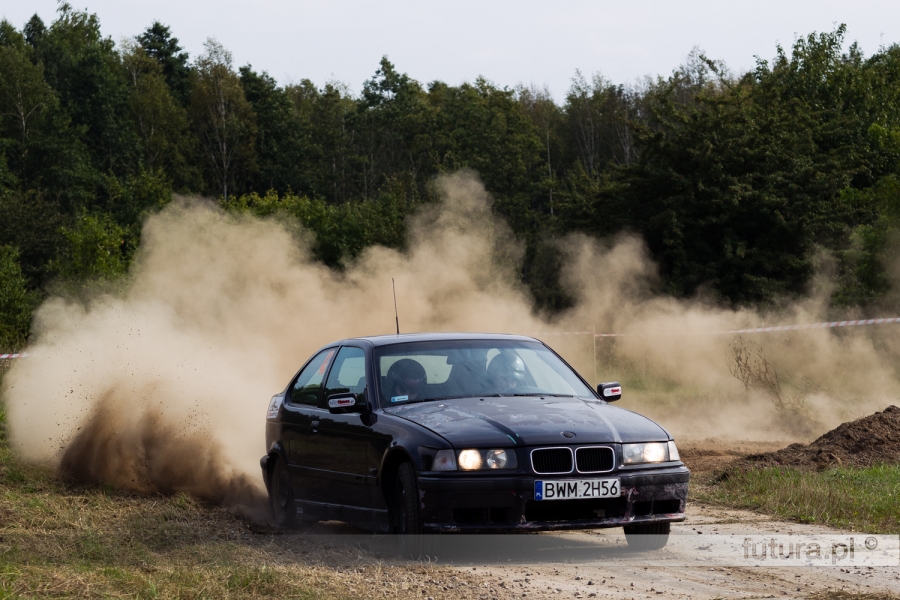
[83,68]
[16,302]
[873,246]
[160,122]
[282,136]
[94,249]
[342,230]
[738,190]
[738,184]
[31,223]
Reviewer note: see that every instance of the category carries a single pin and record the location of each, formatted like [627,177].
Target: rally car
[435,433]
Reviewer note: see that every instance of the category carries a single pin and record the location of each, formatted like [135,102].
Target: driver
[406,380]
[506,370]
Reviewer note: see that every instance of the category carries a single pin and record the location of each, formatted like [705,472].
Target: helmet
[406,377]
[507,368]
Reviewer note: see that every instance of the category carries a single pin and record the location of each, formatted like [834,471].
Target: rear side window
[308,384]
[348,374]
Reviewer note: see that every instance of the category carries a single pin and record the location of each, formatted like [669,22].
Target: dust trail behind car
[164,385]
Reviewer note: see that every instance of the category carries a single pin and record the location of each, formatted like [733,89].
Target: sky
[506,41]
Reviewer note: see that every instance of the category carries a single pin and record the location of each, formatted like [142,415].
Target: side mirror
[610,391]
[346,402]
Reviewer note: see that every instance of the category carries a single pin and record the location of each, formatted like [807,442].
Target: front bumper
[454,502]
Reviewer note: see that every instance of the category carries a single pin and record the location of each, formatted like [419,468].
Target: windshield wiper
[543,394]
[419,400]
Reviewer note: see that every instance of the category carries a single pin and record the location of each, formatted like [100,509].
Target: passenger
[506,371]
[406,380]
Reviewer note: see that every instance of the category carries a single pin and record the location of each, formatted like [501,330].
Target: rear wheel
[647,536]
[281,496]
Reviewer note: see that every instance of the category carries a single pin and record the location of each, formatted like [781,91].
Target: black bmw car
[433,433]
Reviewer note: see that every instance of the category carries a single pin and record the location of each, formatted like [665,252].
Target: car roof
[387,340]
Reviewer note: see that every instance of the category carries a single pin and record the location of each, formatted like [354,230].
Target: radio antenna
[396,316]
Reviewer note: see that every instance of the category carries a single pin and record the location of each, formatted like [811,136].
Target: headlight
[649,452]
[444,460]
[469,460]
[473,460]
[496,459]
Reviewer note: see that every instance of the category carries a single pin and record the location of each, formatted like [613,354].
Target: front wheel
[406,500]
[413,544]
[281,496]
[647,536]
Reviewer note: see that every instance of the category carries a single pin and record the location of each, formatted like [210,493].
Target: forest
[742,186]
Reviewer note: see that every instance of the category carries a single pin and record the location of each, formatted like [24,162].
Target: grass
[859,499]
[58,540]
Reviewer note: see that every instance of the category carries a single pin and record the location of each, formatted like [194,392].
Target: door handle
[315,425]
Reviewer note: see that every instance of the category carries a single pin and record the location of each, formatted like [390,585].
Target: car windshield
[441,370]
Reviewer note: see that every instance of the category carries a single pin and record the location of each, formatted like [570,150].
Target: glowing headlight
[649,452]
[444,460]
[496,459]
[473,460]
[469,460]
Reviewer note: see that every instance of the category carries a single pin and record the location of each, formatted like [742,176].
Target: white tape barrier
[825,325]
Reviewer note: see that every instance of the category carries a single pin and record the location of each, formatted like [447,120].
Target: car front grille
[594,460]
[547,461]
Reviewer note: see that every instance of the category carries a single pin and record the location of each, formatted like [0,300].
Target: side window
[309,382]
[348,373]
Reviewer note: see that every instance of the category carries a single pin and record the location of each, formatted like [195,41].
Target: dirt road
[618,574]
[623,575]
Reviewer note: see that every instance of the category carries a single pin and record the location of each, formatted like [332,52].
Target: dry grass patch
[842,595]
[77,541]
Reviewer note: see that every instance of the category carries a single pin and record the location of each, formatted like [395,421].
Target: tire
[408,515]
[281,496]
[647,536]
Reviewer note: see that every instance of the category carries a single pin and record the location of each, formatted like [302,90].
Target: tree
[486,129]
[160,122]
[282,137]
[158,43]
[83,68]
[732,192]
[16,302]
[94,249]
[394,120]
[598,115]
[333,159]
[223,119]
[42,150]
[546,116]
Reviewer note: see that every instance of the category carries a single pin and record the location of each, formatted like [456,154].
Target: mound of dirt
[871,440]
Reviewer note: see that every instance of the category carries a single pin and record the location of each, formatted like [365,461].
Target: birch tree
[223,118]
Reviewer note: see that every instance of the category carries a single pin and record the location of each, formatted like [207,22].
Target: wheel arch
[276,453]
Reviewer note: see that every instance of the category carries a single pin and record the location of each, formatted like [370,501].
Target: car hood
[529,421]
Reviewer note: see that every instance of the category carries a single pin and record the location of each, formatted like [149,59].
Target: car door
[337,446]
[299,416]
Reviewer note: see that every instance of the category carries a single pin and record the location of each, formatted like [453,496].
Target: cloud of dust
[164,386]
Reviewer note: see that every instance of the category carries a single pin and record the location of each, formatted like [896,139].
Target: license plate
[570,489]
